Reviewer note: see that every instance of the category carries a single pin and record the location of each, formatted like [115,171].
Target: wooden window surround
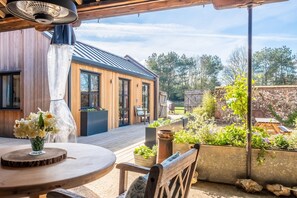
[90,90]
[10,90]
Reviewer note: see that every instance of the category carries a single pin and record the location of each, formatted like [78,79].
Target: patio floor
[122,141]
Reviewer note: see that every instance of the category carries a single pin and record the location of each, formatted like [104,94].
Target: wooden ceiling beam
[141,6]
[104,9]
[3,2]
[2,14]
[79,2]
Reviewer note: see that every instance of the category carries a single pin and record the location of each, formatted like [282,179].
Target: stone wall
[282,99]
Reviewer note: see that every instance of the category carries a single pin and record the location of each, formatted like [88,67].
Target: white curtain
[59,61]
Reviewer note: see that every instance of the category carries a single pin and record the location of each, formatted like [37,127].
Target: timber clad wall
[109,93]
[24,51]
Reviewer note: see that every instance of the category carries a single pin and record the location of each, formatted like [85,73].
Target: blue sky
[193,31]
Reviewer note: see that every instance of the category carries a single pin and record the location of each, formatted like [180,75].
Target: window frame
[10,74]
[90,92]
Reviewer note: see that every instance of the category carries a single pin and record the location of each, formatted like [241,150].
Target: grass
[179,110]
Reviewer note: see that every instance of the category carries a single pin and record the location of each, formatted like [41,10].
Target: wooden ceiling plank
[112,3]
[147,6]
[3,2]
[116,8]
[2,14]
[79,2]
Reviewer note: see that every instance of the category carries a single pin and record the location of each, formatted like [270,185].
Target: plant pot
[93,122]
[149,162]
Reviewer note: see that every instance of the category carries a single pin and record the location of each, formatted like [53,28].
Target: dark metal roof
[90,55]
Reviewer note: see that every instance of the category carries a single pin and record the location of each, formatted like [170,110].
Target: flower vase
[37,145]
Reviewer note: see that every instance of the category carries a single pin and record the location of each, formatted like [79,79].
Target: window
[146,96]
[89,87]
[10,90]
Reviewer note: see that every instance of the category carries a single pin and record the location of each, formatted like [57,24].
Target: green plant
[236,97]
[231,135]
[202,127]
[208,105]
[145,151]
[184,136]
[280,141]
[159,122]
[292,140]
[290,121]
[260,141]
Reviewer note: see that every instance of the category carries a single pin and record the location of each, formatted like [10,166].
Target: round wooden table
[84,163]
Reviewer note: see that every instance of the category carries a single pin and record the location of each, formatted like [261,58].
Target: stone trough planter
[226,164]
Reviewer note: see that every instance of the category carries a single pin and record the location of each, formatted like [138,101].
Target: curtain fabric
[59,61]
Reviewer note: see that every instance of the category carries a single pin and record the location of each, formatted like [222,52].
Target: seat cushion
[137,188]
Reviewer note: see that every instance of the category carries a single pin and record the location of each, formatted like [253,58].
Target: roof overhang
[96,9]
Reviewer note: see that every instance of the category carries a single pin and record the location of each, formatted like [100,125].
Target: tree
[236,65]
[275,66]
[173,71]
[209,66]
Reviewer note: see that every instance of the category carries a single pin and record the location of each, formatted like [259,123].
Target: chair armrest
[62,193]
[124,168]
[133,168]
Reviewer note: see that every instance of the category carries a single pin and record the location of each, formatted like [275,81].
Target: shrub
[159,122]
[202,127]
[145,151]
[184,136]
[231,135]
[208,105]
[237,96]
[280,141]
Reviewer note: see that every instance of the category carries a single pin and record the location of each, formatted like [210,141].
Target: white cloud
[141,40]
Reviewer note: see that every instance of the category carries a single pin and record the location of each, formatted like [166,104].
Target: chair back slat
[173,179]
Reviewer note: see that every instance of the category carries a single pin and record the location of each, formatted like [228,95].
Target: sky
[193,31]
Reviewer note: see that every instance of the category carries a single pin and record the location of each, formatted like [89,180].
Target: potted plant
[145,156]
[93,121]
[183,140]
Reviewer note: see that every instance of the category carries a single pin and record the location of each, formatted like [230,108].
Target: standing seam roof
[91,55]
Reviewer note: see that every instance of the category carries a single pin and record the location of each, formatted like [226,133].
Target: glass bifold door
[124,100]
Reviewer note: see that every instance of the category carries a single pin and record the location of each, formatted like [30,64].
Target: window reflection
[89,86]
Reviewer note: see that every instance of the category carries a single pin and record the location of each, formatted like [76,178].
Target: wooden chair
[142,113]
[169,180]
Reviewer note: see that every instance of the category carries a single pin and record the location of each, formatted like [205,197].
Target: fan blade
[225,4]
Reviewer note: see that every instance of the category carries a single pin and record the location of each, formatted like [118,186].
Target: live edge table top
[84,163]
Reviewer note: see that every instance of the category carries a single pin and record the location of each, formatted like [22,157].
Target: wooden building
[96,79]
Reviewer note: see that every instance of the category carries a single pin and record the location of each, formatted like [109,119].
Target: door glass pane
[84,82]
[145,96]
[126,102]
[126,87]
[16,91]
[126,117]
[120,87]
[6,91]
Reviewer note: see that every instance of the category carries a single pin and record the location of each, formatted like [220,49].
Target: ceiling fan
[225,4]
[44,11]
